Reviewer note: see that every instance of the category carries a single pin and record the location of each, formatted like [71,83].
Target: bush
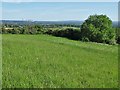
[70,33]
[85,39]
[118,35]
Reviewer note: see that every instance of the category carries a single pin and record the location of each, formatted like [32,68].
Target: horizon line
[42,20]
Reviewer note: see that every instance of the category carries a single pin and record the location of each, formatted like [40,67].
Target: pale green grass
[44,61]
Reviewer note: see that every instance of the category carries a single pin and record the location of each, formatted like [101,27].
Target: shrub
[70,33]
[85,39]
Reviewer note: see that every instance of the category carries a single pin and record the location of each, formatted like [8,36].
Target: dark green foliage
[85,39]
[118,39]
[98,28]
[68,33]
[118,35]
[15,31]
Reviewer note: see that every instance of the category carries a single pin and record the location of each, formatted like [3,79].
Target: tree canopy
[98,28]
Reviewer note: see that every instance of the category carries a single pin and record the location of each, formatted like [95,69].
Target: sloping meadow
[43,61]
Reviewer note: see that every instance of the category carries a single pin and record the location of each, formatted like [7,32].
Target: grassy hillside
[47,61]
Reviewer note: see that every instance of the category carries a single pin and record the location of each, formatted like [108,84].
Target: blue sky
[54,11]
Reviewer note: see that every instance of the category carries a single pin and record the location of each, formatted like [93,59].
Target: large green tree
[98,28]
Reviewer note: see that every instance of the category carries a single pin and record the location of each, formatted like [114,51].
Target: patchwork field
[44,61]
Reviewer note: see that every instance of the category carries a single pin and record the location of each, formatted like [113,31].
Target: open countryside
[62,53]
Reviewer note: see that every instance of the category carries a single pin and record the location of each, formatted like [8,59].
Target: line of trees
[97,28]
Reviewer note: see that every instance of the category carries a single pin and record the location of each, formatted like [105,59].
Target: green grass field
[42,61]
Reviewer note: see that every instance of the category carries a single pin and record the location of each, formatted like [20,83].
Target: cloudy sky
[53,11]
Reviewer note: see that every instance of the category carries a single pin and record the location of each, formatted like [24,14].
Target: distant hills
[40,22]
[115,23]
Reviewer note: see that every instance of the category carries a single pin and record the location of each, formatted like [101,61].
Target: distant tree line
[97,28]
